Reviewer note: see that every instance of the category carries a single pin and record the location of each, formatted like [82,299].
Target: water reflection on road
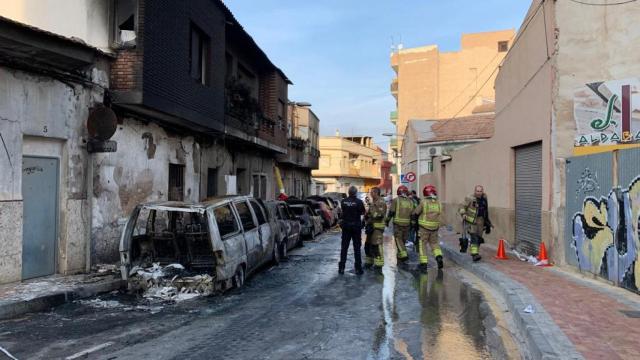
[429,315]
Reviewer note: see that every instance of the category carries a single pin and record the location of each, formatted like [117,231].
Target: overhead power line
[603,4]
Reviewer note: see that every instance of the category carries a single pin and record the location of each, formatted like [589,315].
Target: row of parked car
[227,237]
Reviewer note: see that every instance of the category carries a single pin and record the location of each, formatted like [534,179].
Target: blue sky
[336,52]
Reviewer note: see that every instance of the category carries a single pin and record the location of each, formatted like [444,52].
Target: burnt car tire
[284,253]
[239,277]
[276,254]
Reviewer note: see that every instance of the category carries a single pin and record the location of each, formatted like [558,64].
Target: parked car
[290,226]
[338,196]
[325,213]
[310,221]
[331,206]
[226,237]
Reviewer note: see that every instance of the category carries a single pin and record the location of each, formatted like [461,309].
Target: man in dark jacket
[351,223]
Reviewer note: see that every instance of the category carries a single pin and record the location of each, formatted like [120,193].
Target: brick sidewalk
[591,319]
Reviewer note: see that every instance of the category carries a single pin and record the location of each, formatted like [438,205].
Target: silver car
[225,237]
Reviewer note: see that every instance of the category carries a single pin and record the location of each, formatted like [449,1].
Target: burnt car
[290,226]
[226,238]
[310,221]
[332,206]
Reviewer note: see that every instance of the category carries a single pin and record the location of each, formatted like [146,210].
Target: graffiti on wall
[606,236]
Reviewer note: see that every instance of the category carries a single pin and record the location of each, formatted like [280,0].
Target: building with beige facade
[431,84]
[348,161]
[561,168]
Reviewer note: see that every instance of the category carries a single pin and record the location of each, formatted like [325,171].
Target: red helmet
[429,190]
[402,190]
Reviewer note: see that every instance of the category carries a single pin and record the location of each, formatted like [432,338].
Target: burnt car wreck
[174,248]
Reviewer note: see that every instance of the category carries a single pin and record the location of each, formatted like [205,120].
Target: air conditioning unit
[435,151]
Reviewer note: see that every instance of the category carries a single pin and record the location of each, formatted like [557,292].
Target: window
[124,23]
[260,186]
[503,46]
[245,216]
[257,209]
[176,182]
[212,182]
[199,55]
[227,222]
[241,181]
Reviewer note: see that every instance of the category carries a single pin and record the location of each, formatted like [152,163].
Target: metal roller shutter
[528,197]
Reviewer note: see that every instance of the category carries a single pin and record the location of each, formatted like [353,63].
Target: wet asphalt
[302,309]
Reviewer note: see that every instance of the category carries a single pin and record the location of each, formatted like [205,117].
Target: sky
[336,52]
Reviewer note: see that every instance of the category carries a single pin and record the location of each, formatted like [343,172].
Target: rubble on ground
[171,282]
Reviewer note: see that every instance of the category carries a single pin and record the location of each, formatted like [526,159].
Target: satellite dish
[102,123]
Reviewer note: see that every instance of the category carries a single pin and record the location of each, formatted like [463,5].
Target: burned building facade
[200,111]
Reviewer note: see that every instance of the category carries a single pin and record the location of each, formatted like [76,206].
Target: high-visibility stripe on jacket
[400,218]
[471,214]
[429,216]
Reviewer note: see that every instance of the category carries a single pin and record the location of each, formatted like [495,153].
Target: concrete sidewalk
[574,316]
[43,293]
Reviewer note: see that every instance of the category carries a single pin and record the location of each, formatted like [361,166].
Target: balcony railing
[394,142]
[393,116]
[394,86]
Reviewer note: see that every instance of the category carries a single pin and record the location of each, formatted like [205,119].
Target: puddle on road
[427,315]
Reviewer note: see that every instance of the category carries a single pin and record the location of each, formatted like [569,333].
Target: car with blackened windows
[290,226]
[227,238]
[311,222]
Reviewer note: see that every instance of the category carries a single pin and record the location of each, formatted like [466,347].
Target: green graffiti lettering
[599,124]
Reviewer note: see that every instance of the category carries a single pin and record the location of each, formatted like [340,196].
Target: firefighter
[401,209]
[475,218]
[351,223]
[429,217]
[374,254]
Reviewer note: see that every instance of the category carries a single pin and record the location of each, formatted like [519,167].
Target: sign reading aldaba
[608,113]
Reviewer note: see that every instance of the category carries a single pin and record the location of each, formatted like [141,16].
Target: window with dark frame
[124,23]
[199,55]
[503,46]
[176,182]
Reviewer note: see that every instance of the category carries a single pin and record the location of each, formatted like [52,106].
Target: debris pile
[171,282]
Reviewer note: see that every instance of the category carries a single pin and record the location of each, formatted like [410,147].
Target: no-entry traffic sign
[410,177]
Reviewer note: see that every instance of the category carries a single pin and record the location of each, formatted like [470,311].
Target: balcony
[394,87]
[394,143]
[393,116]
[300,154]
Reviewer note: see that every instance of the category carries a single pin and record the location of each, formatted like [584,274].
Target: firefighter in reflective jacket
[475,217]
[375,230]
[401,209]
[429,216]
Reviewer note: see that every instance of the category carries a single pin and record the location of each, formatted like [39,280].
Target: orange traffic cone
[543,259]
[501,255]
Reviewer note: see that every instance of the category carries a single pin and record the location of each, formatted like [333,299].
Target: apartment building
[348,161]
[431,84]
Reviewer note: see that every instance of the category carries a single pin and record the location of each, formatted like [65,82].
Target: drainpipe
[90,212]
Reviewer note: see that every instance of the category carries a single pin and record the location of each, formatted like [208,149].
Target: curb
[13,308]
[543,337]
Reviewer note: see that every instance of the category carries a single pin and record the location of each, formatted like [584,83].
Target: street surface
[301,309]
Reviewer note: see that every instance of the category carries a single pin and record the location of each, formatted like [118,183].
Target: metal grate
[528,191]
